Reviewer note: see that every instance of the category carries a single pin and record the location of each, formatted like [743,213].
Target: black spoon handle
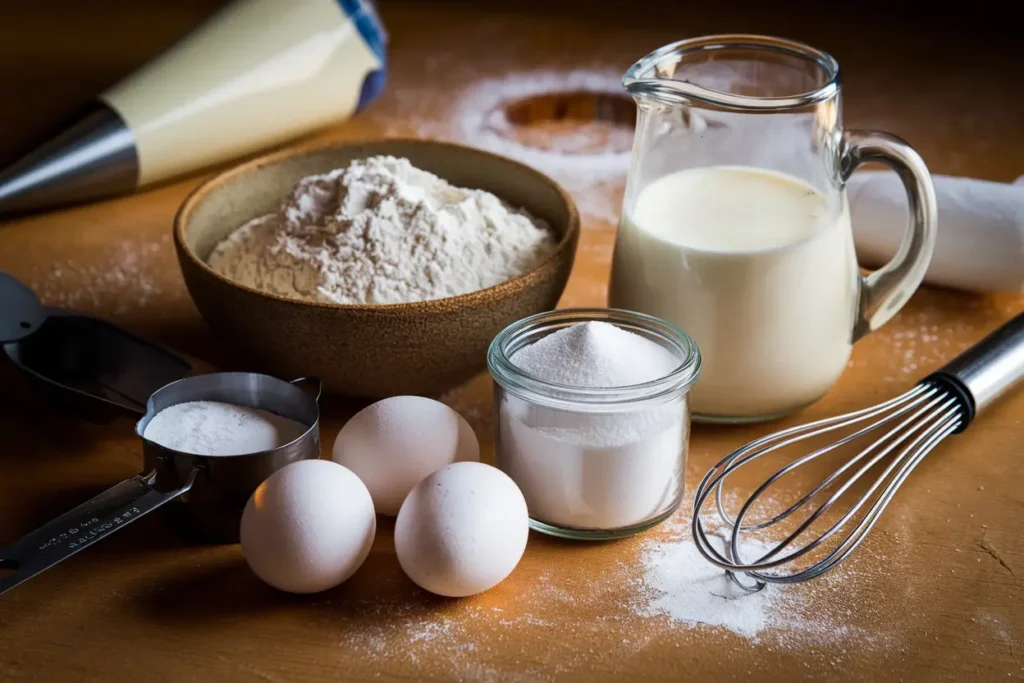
[79,528]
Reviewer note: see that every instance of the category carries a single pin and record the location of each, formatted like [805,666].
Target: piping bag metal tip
[92,159]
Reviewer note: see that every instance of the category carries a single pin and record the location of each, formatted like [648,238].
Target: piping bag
[257,73]
[980,241]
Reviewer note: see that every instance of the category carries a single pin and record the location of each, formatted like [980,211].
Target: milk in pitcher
[758,268]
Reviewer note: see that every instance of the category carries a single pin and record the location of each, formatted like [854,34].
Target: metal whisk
[895,435]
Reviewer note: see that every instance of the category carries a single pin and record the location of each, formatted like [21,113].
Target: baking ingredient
[392,444]
[592,172]
[980,241]
[595,354]
[759,268]
[381,231]
[689,589]
[624,603]
[595,470]
[462,530]
[308,527]
[215,428]
[679,585]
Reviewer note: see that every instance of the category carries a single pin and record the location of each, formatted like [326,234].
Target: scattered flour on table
[125,278]
[214,428]
[679,585]
[591,164]
[656,595]
[922,337]
[381,231]
[481,121]
[689,589]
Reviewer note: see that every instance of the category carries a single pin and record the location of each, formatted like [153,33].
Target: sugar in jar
[592,418]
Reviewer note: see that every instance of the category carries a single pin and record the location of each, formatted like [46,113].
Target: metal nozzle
[94,158]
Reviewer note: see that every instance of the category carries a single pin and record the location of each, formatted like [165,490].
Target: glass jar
[736,225]
[593,463]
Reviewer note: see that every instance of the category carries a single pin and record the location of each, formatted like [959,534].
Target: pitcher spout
[718,72]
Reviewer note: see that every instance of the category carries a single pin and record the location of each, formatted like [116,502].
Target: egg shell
[462,530]
[394,443]
[308,527]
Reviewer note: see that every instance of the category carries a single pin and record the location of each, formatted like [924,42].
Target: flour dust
[591,164]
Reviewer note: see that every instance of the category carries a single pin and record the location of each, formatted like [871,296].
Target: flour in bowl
[381,231]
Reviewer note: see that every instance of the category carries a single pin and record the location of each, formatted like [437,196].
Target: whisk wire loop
[910,425]
[807,458]
[914,424]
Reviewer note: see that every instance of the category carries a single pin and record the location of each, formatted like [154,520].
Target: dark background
[69,65]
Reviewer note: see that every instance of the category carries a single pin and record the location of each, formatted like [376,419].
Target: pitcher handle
[885,291]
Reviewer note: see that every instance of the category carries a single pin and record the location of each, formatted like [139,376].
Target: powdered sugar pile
[381,231]
[596,354]
[644,595]
[215,428]
[689,589]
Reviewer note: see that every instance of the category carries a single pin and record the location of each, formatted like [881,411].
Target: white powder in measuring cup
[214,428]
[593,470]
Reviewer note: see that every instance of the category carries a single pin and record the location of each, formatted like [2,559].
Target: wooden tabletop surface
[936,593]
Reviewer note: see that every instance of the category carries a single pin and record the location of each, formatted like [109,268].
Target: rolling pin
[980,243]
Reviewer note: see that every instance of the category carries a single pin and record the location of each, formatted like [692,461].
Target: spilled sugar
[656,592]
[689,589]
[680,585]
[923,336]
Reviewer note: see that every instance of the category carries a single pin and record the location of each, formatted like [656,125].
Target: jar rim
[639,79]
[512,378]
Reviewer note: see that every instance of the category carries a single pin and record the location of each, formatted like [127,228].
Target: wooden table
[936,593]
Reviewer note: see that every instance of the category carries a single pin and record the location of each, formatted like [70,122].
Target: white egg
[394,443]
[462,530]
[308,527]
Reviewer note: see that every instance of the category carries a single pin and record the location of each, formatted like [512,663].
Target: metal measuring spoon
[21,313]
[217,487]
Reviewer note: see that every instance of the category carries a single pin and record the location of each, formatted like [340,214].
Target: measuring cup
[736,227]
[207,493]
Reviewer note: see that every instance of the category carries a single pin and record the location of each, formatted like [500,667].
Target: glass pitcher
[736,227]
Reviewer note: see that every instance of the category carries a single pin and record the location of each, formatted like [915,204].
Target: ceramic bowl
[368,351]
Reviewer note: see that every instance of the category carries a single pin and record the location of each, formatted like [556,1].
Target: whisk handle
[987,370]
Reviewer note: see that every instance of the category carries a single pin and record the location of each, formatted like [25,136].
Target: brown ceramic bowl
[368,350]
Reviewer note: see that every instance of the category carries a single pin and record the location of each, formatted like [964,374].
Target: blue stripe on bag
[363,14]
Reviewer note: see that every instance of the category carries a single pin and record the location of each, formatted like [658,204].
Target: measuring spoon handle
[79,528]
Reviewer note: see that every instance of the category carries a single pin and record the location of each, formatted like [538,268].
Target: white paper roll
[980,243]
